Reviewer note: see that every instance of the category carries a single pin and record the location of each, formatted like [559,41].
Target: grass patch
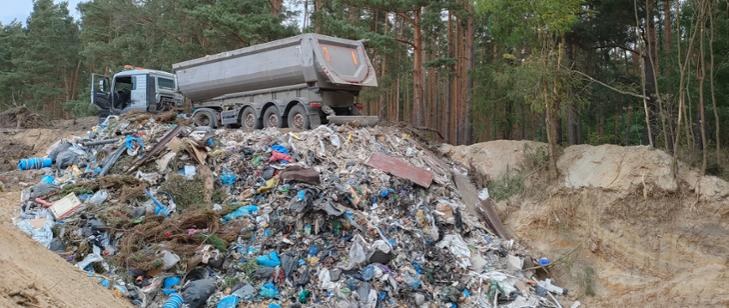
[187,193]
[510,184]
[587,280]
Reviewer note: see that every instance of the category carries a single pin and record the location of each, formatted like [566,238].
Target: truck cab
[135,89]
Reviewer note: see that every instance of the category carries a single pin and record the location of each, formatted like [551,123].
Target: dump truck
[298,82]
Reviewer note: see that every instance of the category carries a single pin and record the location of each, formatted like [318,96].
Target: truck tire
[205,118]
[298,119]
[272,118]
[248,119]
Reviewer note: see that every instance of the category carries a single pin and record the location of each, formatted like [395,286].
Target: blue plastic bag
[269,260]
[268,290]
[230,301]
[246,210]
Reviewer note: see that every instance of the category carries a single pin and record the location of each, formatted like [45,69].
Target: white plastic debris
[39,229]
[458,248]
[483,195]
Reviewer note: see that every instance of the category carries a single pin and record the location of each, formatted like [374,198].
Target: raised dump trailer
[298,82]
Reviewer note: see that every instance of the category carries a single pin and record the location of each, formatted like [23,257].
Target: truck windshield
[166,83]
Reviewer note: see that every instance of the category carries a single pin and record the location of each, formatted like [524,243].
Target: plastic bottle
[175,301]
[34,163]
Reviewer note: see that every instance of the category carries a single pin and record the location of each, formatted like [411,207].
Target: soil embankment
[625,231]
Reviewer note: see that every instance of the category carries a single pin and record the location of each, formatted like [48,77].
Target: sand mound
[633,233]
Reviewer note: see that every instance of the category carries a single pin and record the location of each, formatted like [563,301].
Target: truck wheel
[271,118]
[248,119]
[298,118]
[204,118]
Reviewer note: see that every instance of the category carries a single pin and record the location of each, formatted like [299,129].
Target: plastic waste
[269,290]
[169,283]
[279,157]
[48,179]
[313,250]
[543,261]
[93,257]
[98,198]
[133,145]
[228,178]
[189,171]
[458,248]
[175,301]
[279,148]
[39,229]
[357,252]
[159,208]
[483,194]
[197,292]
[269,260]
[246,210]
[547,285]
[67,158]
[169,259]
[230,301]
[304,295]
[34,163]
[246,293]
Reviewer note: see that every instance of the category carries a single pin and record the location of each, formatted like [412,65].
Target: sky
[20,9]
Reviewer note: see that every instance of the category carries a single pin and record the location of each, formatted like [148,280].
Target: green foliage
[39,61]
[510,184]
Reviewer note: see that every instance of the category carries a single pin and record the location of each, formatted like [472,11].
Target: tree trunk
[453,80]
[681,99]
[417,111]
[667,28]
[466,80]
[717,123]
[550,111]
[318,5]
[276,7]
[702,67]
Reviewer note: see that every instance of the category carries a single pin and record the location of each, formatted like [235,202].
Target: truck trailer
[298,82]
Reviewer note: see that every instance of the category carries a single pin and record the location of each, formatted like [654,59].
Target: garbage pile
[169,215]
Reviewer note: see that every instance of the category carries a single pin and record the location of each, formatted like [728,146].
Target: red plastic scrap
[401,168]
[278,156]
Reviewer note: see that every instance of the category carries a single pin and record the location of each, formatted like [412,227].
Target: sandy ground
[33,276]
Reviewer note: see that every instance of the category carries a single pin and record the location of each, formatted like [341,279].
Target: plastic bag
[39,229]
[98,198]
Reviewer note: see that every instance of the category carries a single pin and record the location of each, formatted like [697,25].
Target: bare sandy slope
[624,231]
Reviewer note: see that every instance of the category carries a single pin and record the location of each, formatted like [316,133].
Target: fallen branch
[606,85]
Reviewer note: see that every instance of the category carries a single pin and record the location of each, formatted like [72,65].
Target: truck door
[100,91]
[138,93]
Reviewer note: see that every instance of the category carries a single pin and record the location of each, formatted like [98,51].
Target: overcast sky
[20,9]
